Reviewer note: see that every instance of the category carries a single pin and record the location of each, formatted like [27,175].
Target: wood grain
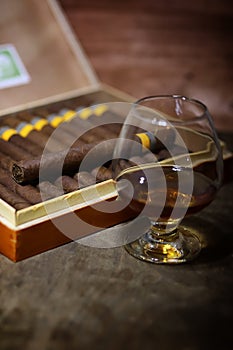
[155,47]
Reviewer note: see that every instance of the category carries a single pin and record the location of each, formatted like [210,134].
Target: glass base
[178,247]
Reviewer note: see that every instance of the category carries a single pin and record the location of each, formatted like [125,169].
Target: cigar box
[49,68]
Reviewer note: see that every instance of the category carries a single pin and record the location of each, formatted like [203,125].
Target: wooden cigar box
[57,70]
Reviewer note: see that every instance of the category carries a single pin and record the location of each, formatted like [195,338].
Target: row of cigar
[24,136]
[69,132]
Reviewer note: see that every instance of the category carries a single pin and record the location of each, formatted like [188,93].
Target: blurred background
[147,47]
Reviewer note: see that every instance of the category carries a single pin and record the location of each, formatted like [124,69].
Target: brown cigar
[101,132]
[115,128]
[144,158]
[84,179]
[67,183]
[113,120]
[49,190]
[14,152]
[37,137]
[102,173]
[61,136]
[86,122]
[31,143]
[5,161]
[96,121]
[83,131]
[12,198]
[25,144]
[29,170]
[33,118]
[59,140]
[28,192]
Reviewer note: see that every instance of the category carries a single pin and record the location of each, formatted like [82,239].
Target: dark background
[147,47]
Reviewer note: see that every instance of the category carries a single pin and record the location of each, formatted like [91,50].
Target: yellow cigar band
[85,113]
[40,124]
[8,133]
[26,130]
[69,115]
[99,110]
[145,140]
[56,121]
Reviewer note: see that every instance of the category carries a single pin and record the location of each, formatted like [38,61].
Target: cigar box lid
[47,58]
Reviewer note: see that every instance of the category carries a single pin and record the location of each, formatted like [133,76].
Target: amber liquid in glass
[158,200]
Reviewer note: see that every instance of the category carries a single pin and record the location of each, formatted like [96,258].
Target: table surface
[77,297]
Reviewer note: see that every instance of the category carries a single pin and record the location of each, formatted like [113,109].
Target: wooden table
[77,297]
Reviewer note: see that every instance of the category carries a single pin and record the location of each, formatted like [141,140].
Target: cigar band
[24,129]
[55,120]
[99,110]
[69,115]
[6,133]
[39,123]
[147,140]
[85,113]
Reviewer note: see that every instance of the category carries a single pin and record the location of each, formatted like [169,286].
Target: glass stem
[164,231]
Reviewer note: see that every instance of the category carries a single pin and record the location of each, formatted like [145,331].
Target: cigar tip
[17,173]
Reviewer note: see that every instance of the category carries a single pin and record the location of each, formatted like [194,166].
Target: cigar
[102,173]
[67,183]
[39,122]
[5,161]
[144,158]
[62,134]
[41,139]
[89,137]
[26,130]
[110,117]
[12,198]
[163,154]
[12,135]
[137,160]
[14,152]
[75,130]
[86,121]
[28,170]
[46,127]
[121,165]
[28,192]
[115,128]
[163,139]
[69,120]
[84,179]
[49,190]
[27,145]
[113,120]
[84,133]
[89,116]
[29,136]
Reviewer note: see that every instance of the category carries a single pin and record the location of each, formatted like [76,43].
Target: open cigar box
[54,75]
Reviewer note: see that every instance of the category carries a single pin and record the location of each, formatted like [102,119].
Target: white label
[12,69]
